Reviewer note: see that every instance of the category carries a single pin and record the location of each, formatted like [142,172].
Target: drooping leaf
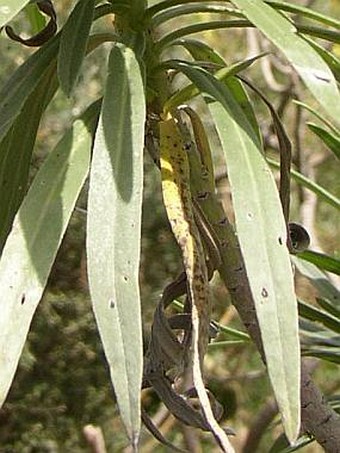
[307,62]
[201,51]
[9,9]
[322,193]
[73,43]
[261,231]
[328,306]
[16,151]
[318,115]
[37,232]
[319,280]
[332,141]
[191,90]
[113,230]
[21,84]
[262,234]
[317,315]
[318,340]
[333,36]
[284,149]
[234,85]
[331,59]
[304,11]
[16,147]
[324,353]
[322,261]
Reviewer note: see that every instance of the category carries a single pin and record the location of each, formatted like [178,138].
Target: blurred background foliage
[62,383]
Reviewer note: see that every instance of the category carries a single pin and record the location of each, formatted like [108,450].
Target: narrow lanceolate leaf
[332,60]
[9,8]
[305,59]
[321,117]
[191,90]
[319,280]
[315,314]
[322,261]
[322,193]
[261,230]
[16,151]
[332,141]
[74,38]
[34,240]
[114,230]
[20,85]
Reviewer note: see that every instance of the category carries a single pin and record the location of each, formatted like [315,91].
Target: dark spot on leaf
[321,76]
[264,292]
[23,298]
[280,240]
[112,303]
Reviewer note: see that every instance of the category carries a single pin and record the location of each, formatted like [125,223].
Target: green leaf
[322,261]
[21,84]
[36,18]
[191,90]
[9,9]
[319,116]
[201,51]
[16,150]
[35,238]
[333,36]
[305,12]
[284,150]
[319,279]
[328,306]
[322,193]
[316,315]
[328,354]
[198,7]
[332,61]
[17,145]
[332,141]
[197,28]
[307,62]
[261,231]
[73,43]
[114,230]
[319,341]
[281,445]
